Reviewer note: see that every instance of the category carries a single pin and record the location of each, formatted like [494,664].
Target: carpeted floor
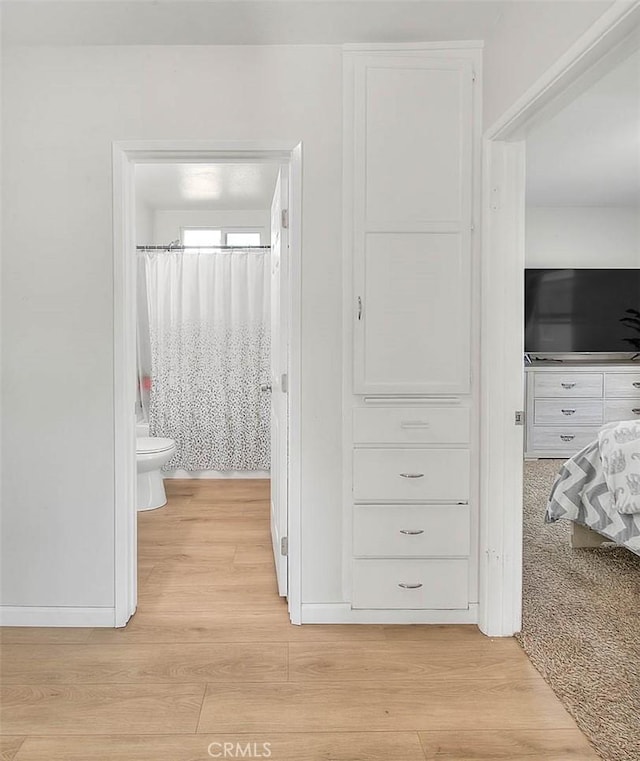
[581,623]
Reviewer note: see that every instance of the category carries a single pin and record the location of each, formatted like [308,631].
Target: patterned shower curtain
[208,318]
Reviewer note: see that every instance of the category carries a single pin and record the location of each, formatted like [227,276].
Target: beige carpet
[581,623]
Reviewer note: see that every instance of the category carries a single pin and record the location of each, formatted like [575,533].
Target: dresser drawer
[560,384]
[562,411]
[621,409]
[623,384]
[564,440]
[411,530]
[415,475]
[411,584]
[406,425]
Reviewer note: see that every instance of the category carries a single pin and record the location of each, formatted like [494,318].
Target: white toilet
[152,452]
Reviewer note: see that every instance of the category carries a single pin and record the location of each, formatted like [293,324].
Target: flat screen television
[581,310]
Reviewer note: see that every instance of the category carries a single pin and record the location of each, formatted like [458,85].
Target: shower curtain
[208,333]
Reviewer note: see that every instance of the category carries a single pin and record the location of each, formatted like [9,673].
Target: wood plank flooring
[210,658]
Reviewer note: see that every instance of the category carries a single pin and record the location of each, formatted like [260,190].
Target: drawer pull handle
[636,384]
[411,531]
[567,385]
[567,436]
[409,586]
[636,410]
[414,424]
[568,412]
[412,475]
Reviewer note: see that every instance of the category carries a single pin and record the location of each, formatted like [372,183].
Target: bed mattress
[580,494]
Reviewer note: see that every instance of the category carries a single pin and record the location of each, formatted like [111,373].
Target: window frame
[224,231]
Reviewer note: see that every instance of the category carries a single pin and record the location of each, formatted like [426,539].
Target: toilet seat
[153,445]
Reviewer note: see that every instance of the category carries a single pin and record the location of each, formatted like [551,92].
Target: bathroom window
[201,236]
[208,237]
[242,238]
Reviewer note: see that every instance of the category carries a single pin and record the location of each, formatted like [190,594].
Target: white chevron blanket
[580,494]
[619,445]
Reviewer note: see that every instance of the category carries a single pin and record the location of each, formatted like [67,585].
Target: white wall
[167,224]
[58,509]
[144,222]
[57,536]
[528,38]
[580,236]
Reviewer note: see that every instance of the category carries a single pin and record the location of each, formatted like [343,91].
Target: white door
[279,375]
[412,232]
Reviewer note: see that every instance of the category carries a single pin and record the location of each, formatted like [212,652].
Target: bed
[596,489]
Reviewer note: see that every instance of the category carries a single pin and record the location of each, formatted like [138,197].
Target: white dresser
[568,402]
[411,165]
[411,522]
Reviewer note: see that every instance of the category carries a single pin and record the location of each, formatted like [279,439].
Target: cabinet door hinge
[284,545]
[285,219]
[519,417]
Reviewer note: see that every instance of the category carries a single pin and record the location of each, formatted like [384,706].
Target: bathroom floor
[211,658]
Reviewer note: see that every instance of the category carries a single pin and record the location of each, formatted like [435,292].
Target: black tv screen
[581,310]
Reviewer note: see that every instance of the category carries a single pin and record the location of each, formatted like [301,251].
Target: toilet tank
[142,429]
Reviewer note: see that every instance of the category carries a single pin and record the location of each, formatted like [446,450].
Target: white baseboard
[19,615]
[343,613]
[204,474]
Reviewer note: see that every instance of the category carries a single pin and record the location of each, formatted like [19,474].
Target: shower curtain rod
[215,248]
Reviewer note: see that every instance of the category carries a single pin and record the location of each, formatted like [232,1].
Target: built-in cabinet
[411,163]
[568,402]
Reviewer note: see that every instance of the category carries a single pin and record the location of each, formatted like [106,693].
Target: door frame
[125,156]
[613,36]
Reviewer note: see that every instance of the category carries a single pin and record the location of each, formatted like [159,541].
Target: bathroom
[205,275]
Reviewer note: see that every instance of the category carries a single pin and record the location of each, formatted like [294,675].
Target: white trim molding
[502,390]
[617,29]
[609,39]
[125,156]
[24,615]
[343,613]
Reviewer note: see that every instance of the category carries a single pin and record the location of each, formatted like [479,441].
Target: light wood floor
[210,657]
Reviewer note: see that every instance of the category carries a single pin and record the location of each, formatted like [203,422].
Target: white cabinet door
[413,138]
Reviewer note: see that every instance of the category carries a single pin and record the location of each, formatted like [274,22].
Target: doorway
[608,41]
[278,382]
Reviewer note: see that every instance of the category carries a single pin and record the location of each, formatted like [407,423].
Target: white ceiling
[206,186]
[589,153]
[244,22]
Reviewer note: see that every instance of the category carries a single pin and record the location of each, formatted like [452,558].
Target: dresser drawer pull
[414,424]
[409,586]
[567,385]
[636,384]
[412,475]
[567,436]
[636,410]
[568,412]
[411,531]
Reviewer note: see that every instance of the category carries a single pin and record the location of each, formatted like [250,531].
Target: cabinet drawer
[405,425]
[415,475]
[567,440]
[411,530]
[434,583]
[561,384]
[621,409]
[574,412]
[623,384]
